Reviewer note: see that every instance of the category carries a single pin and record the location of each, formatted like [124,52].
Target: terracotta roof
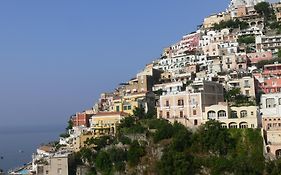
[47,148]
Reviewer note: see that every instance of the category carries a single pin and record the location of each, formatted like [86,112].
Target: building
[80,141]
[271,122]
[246,83]
[130,101]
[57,164]
[105,102]
[187,106]
[216,18]
[268,43]
[259,56]
[81,119]
[188,44]
[104,123]
[233,117]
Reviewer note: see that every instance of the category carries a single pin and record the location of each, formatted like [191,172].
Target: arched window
[211,115]
[243,114]
[232,125]
[243,125]
[221,114]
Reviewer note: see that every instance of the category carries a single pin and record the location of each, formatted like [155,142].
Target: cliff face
[162,148]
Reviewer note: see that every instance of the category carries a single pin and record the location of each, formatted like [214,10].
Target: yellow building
[129,102]
[104,123]
[79,142]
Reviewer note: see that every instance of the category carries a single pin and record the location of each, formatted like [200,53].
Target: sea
[17,144]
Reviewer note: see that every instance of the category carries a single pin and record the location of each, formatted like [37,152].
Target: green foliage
[211,149]
[181,139]
[235,97]
[246,39]
[103,162]
[127,122]
[125,140]
[273,167]
[136,151]
[260,64]
[164,131]
[175,163]
[129,125]
[70,124]
[139,112]
[233,24]
[100,142]
[263,8]
[118,157]
[213,138]
[279,53]
[86,155]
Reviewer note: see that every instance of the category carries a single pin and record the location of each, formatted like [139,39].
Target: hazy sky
[56,57]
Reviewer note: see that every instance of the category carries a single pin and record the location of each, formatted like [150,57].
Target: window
[270,103]
[181,114]
[160,114]
[194,111]
[129,107]
[195,122]
[117,108]
[233,114]
[211,115]
[279,101]
[167,103]
[221,114]
[180,102]
[243,114]
[59,171]
[125,108]
[168,114]
[247,92]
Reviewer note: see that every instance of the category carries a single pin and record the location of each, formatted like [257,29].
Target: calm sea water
[18,143]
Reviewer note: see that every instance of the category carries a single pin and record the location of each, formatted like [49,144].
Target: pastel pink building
[272,69]
[259,56]
[272,85]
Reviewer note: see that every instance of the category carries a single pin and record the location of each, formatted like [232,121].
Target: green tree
[135,152]
[215,139]
[164,131]
[263,8]
[176,163]
[139,112]
[246,39]
[103,162]
[70,124]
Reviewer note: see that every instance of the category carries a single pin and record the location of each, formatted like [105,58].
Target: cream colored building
[187,106]
[233,117]
[246,84]
[216,18]
[57,164]
[271,122]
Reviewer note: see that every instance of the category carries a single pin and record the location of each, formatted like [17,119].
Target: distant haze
[56,57]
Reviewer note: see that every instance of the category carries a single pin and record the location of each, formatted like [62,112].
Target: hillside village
[227,73]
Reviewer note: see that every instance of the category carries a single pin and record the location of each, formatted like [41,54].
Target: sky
[56,57]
